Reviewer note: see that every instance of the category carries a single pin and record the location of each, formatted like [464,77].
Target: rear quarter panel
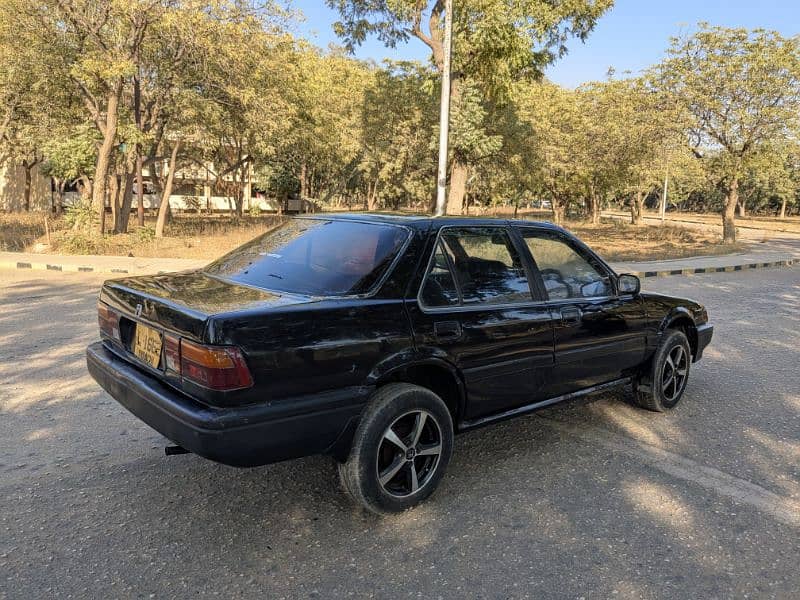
[326,345]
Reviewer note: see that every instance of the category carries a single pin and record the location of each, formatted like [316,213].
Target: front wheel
[400,450]
[669,373]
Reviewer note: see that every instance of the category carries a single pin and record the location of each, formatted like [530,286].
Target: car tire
[669,373]
[400,449]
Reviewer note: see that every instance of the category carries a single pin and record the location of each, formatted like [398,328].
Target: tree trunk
[59,203]
[28,183]
[729,213]
[163,208]
[127,202]
[139,187]
[593,207]
[137,117]
[637,200]
[458,187]
[103,163]
[782,214]
[303,180]
[742,209]
[372,197]
[113,193]
[558,211]
[86,189]
[459,170]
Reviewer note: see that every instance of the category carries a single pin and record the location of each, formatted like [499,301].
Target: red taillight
[108,320]
[214,367]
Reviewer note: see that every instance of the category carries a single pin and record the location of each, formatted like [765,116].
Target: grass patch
[624,242]
[203,237]
[20,231]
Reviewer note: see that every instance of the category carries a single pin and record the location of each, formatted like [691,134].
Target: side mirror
[628,284]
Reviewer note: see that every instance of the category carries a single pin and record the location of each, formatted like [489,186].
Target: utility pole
[444,113]
[663,210]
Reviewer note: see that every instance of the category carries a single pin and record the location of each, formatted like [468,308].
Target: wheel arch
[681,318]
[433,373]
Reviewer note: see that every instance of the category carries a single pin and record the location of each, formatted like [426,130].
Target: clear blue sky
[632,36]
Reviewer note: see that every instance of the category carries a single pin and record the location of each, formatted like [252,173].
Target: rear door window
[440,287]
[320,257]
[474,266]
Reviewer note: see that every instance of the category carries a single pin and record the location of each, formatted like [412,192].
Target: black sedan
[375,338]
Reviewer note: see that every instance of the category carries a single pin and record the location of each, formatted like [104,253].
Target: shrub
[77,242]
[80,216]
[145,234]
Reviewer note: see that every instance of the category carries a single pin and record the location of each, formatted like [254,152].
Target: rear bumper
[245,436]
[704,335]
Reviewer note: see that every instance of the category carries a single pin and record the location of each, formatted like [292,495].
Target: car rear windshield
[319,257]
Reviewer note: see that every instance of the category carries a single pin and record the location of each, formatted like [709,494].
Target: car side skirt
[527,408]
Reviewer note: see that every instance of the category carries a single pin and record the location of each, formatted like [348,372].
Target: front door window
[566,274]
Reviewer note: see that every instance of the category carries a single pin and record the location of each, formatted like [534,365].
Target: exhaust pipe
[173,450]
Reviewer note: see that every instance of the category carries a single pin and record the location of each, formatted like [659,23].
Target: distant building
[12,188]
[193,190]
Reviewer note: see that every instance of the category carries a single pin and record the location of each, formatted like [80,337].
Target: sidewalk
[96,264]
[123,265]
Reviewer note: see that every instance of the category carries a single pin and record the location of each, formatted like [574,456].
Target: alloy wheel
[409,453]
[674,372]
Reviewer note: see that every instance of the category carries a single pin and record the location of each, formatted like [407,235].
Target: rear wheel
[669,373]
[400,450]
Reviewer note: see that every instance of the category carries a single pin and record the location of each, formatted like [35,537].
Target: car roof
[418,221]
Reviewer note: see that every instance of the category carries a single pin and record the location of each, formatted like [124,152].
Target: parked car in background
[376,338]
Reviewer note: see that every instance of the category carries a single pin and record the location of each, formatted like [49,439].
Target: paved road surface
[592,499]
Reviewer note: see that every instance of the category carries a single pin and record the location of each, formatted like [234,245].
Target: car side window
[440,287]
[487,266]
[566,273]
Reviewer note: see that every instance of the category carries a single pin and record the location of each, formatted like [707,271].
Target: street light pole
[444,113]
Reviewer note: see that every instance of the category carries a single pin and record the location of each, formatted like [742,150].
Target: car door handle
[571,315]
[447,330]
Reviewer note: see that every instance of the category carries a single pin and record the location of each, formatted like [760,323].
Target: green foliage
[71,155]
[228,80]
[81,216]
[145,234]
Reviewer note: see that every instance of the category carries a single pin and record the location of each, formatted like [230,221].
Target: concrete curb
[176,266]
[152,267]
[34,266]
[725,269]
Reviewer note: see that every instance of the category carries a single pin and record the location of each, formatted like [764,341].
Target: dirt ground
[193,236]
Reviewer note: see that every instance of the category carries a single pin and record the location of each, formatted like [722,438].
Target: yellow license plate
[147,345]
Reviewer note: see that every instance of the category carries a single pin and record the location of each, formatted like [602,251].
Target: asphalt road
[591,499]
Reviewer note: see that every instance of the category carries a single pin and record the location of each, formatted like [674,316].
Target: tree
[399,117]
[496,42]
[70,157]
[556,118]
[740,89]
[33,106]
